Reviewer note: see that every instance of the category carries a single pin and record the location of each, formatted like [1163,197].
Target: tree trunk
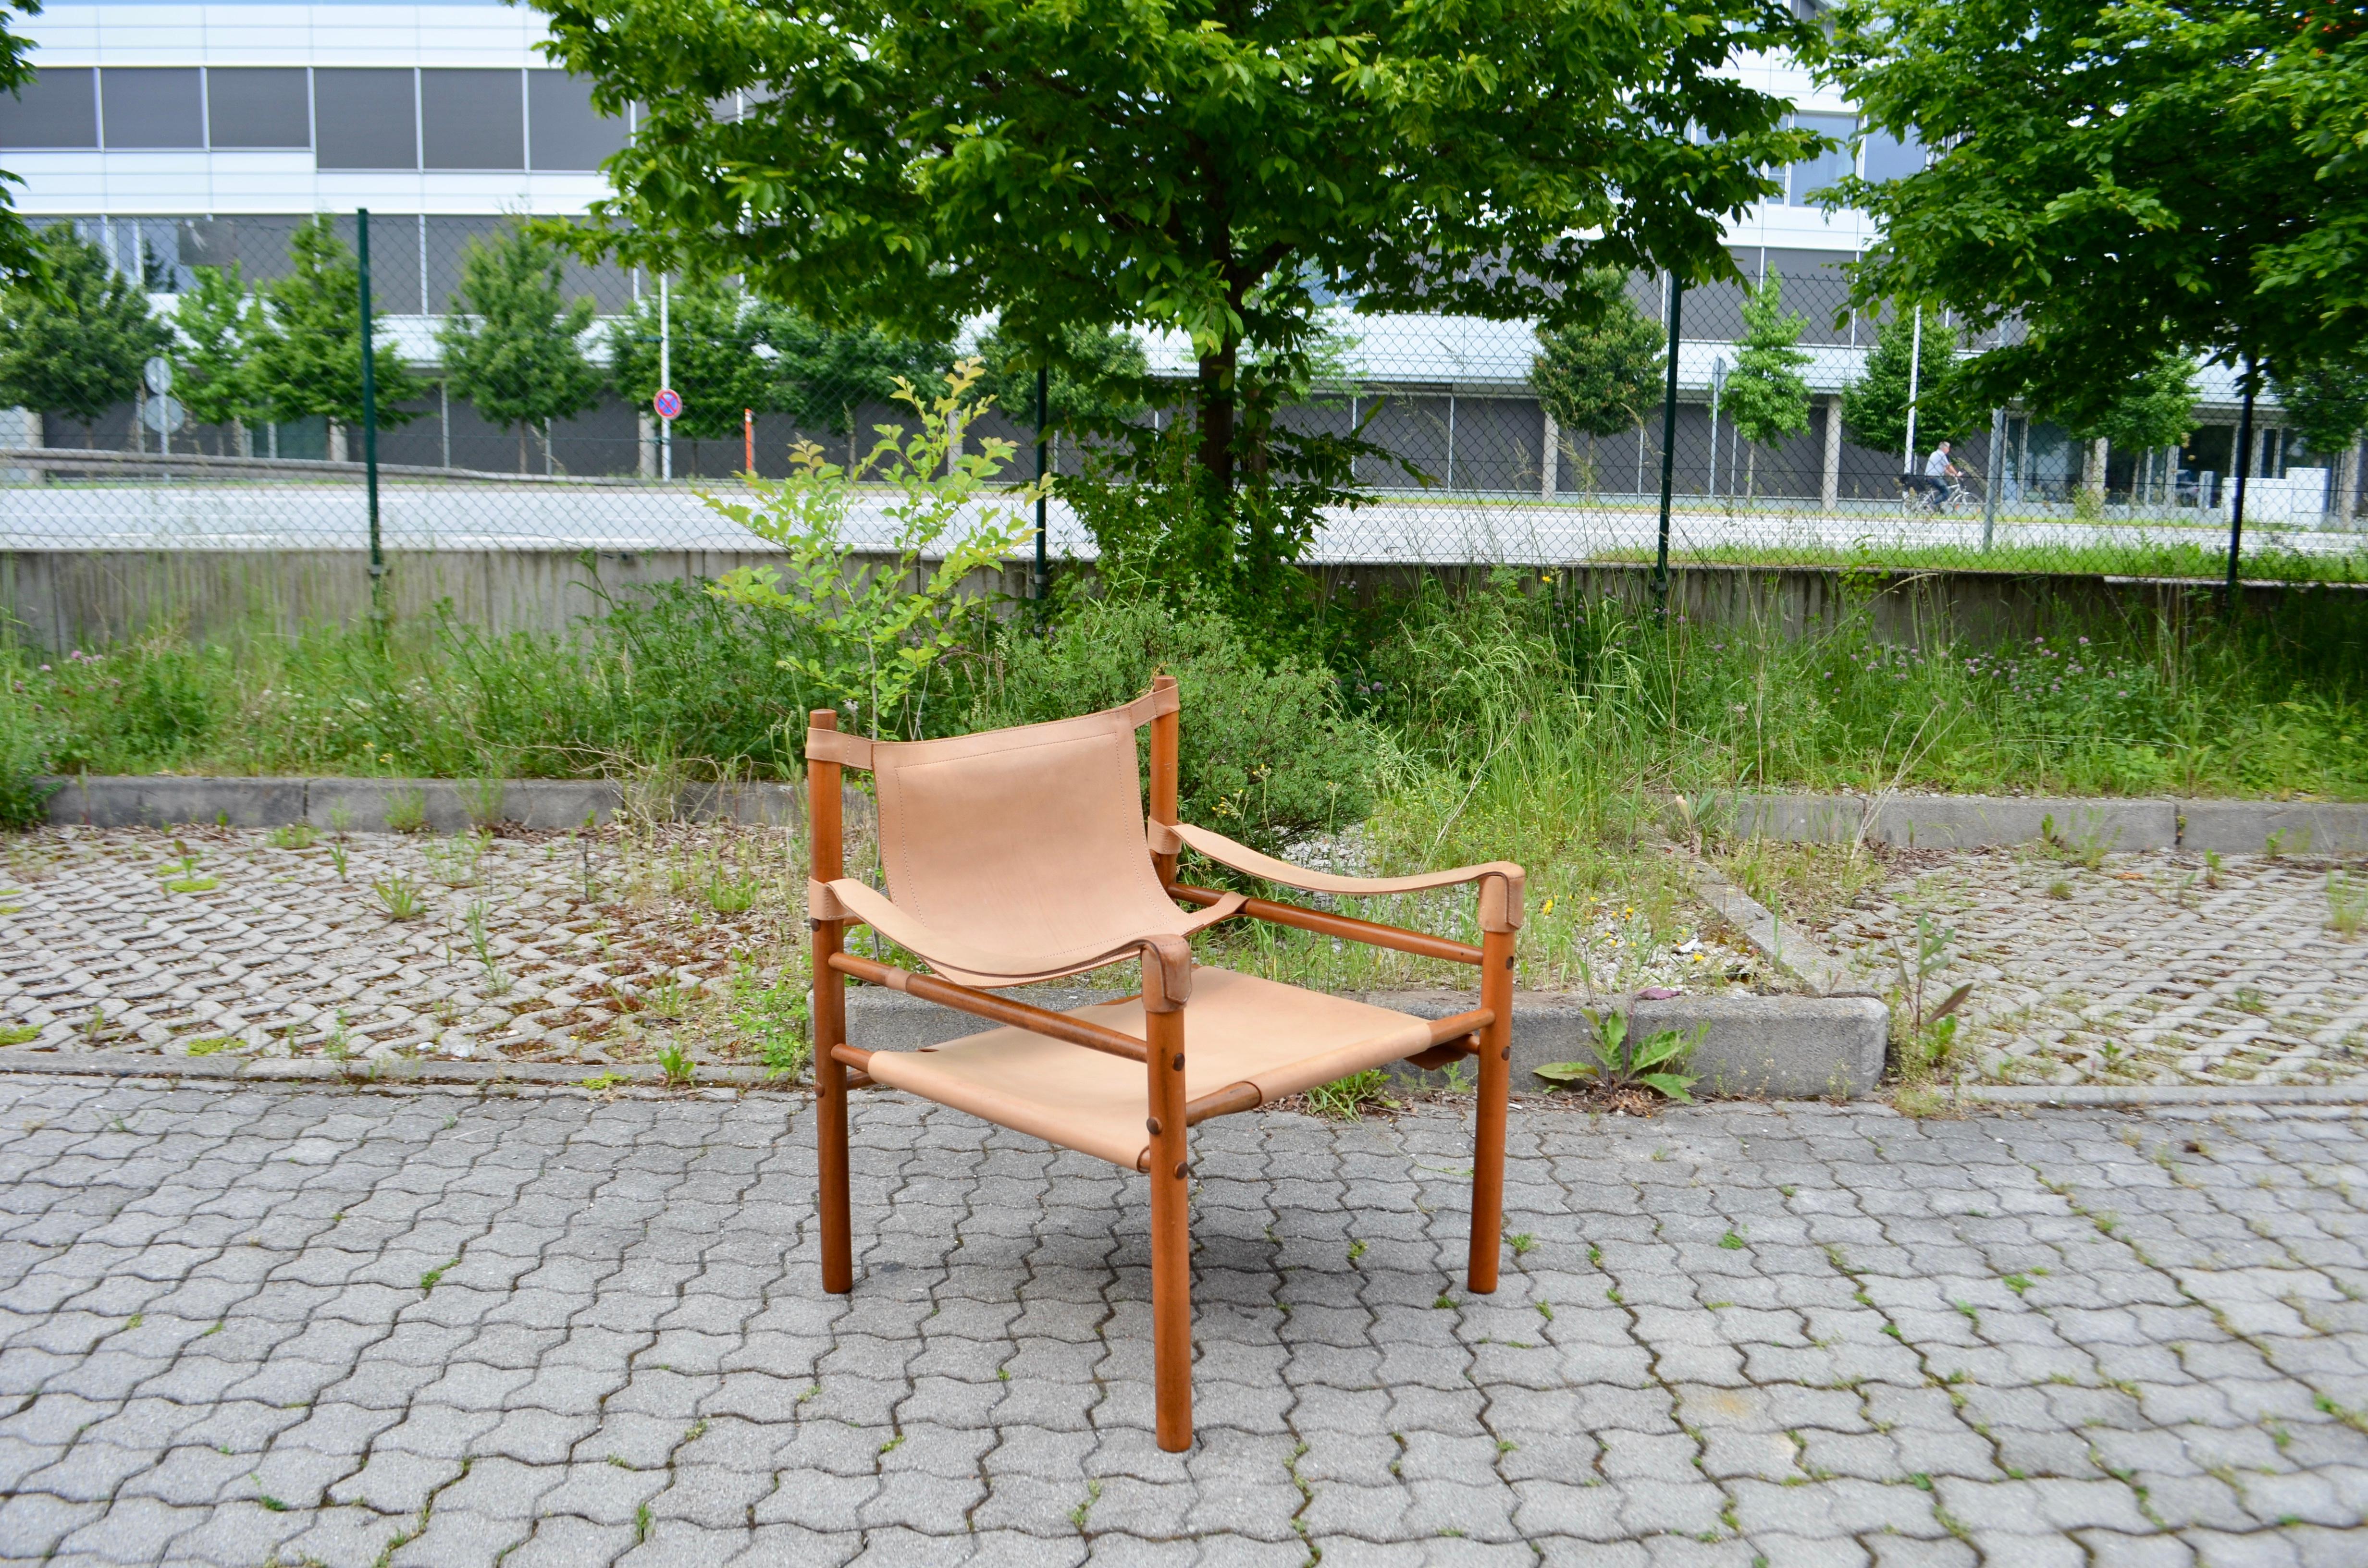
[1217,390]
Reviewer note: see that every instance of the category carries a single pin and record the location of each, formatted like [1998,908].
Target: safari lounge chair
[1021,855]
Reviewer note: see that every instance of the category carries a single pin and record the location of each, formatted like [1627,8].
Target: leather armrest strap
[848,899]
[1500,880]
[839,746]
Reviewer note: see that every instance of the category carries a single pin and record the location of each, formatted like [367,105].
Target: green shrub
[1266,754]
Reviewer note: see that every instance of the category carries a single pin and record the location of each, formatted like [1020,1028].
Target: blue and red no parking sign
[669,403]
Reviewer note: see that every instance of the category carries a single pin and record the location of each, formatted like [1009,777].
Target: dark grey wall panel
[263,107]
[57,108]
[153,106]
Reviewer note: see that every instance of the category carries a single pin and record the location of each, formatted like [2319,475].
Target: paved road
[437,1328]
[1431,529]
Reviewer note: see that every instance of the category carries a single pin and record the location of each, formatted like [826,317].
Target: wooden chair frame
[839,1066]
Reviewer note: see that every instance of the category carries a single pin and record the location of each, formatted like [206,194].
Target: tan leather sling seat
[1023,855]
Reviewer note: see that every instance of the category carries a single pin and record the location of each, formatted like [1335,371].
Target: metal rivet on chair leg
[1503,1055]
[1179,1170]
[1152,1124]
[1180,1062]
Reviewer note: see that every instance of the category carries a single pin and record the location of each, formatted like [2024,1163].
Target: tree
[214,323]
[1194,166]
[2326,403]
[2154,409]
[2116,176]
[513,346]
[822,375]
[73,332]
[1599,368]
[712,335]
[2318,80]
[1874,405]
[307,355]
[1766,397]
[1097,380]
[17,254]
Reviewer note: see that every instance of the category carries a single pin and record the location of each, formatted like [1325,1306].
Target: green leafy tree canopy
[2118,176]
[1767,396]
[16,70]
[2328,404]
[2155,408]
[712,332]
[214,323]
[307,354]
[1096,381]
[1193,166]
[73,332]
[513,344]
[1599,369]
[1874,405]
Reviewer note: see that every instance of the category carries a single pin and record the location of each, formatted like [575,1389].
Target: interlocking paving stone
[532,947]
[2084,1337]
[2151,967]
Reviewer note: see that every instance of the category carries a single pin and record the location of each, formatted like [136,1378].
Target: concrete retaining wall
[1965,821]
[366,805]
[1781,1047]
[68,598]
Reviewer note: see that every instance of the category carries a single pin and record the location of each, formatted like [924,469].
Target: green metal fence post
[2243,461]
[1044,416]
[1668,444]
[370,418]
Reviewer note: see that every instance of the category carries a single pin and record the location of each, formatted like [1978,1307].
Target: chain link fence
[1772,456]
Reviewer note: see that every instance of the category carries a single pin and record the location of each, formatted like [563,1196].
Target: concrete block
[751,805]
[1786,1047]
[156,801]
[1788,819]
[560,802]
[2243,827]
[362,805]
[1973,821]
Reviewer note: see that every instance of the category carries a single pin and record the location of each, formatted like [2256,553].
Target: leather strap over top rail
[855,751]
[839,746]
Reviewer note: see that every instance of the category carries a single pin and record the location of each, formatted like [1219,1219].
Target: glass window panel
[472,119]
[153,106]
[1814,174]
[58,107]
[257,107]
[563,129]
[1888,157]
[367,119]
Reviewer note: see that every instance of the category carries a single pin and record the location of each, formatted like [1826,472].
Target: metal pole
[1996,478]
[1668,443]
[1043,417]
[1915,363]
[370,417]
[666,378]
[2237,501]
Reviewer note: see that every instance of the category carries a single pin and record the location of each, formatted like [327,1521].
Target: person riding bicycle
[1938,474]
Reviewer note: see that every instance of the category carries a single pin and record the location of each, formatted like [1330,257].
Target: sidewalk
[241,1323]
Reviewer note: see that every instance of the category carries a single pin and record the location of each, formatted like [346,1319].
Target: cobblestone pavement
[550,946]
[2152,968]
[248,1325]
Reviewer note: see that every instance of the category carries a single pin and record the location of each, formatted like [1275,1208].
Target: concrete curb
[2078,1096]
[1967,822]
[380,1075]
[443,805]
[1779,1047]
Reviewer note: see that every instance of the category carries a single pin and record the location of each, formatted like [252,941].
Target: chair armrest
[1500,880]
[1168,957]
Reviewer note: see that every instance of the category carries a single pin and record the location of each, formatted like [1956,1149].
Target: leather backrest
[1028,839]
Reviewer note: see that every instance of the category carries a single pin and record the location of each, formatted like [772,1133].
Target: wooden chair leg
[824,851]
[1171,1238]
[1488,1134]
